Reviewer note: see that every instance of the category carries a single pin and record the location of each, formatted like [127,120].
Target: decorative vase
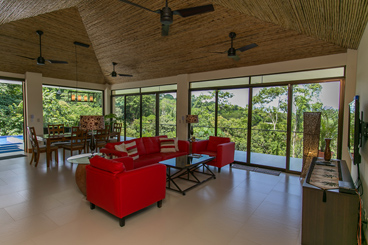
[327,154]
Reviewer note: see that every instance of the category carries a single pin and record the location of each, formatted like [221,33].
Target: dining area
[91,135]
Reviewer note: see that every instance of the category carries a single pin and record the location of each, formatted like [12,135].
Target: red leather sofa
[120,189]
[148,150]
[220,147]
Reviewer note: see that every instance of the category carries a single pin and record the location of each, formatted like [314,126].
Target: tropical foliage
[11,109]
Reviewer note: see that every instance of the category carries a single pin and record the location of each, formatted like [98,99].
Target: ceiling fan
[114,74]
[167,14]
[231,52]
[41,60]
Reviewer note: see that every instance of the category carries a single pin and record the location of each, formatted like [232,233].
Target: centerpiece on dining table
[91,123]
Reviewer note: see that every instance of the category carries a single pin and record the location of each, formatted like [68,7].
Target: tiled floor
[44,206]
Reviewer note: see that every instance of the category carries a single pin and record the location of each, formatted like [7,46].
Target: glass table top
[187,161]
[82,158]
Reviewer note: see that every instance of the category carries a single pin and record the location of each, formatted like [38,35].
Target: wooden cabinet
[329,216]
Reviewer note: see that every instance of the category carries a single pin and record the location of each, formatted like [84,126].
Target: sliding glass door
[148,115]
[314,97]
[232,119]
[269,126]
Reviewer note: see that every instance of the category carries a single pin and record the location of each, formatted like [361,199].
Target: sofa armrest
[183,146]
[127,161]
[225,153]
[111,152]
[198,146]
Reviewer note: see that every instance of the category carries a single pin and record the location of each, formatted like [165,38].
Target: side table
[80,174]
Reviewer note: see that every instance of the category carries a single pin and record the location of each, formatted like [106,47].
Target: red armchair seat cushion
[214,141]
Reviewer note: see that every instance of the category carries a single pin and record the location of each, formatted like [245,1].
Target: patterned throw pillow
[131,148]
[120,147]
[167,145]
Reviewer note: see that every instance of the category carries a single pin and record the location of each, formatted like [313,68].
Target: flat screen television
[355,130]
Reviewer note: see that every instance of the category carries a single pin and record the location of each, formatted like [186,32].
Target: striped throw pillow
[120,147]
[131,148]
[167,145]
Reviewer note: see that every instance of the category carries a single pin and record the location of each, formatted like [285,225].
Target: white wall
[362,91]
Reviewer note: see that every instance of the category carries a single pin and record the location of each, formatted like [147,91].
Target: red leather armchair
[220,147]
[114,185]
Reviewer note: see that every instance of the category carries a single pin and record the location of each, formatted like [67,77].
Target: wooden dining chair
[114,136]
[37,149]
[77,142]
[102,137]
[55,129]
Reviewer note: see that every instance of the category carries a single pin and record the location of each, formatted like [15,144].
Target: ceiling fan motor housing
[231,52]
[166,16]
[40,61]
[113,74]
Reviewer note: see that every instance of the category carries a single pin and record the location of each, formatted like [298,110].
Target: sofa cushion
[152,144]
[132,150]
[147,160]
[170,155]
[120,147]
[167,145]
[107,165]
[214,141]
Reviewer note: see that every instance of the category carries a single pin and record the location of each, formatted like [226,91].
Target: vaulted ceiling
[130,36]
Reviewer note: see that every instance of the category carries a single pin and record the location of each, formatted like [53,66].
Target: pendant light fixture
[77,96]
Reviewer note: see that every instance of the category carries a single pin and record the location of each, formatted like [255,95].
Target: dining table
[49,139]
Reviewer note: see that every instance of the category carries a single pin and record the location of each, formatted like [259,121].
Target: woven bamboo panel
[61,29]
[118,32]
[12,10]
[131,37]
[339,22]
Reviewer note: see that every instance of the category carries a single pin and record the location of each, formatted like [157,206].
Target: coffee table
[187,168]
[80,173]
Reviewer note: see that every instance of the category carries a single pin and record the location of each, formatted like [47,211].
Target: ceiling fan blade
[57,62]
[125,75]
[247,47]
[235,57]
[139,6]
[26,57]
[195,10]
[165,30]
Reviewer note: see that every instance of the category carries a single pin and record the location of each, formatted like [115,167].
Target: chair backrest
[118,125]
[33,138]
[102,134]
[55,129]
[78,136]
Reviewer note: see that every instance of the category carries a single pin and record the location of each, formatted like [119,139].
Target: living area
[255,99]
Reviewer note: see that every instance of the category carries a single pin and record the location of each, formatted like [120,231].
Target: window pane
[132,116]
[301,75]
[149,115]
[167,115]
[118,109]
[203,105]
[269,126]
[221,83]
[316,97]
[232,119]
[57,109]
[11,116]
[126,91]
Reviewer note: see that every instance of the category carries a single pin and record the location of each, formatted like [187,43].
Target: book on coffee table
[195,155]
